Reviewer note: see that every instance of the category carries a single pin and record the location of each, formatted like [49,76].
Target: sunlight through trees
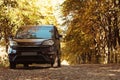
[93,34]
[15,13]
[91,27]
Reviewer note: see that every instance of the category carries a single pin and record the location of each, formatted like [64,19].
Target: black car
[35,44]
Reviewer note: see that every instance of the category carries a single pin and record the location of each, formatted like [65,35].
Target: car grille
[29,43]
[36,49]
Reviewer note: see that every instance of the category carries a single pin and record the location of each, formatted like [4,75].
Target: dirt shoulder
[79,72]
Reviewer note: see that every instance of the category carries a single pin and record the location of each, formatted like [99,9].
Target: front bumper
[32,55]
[31,59]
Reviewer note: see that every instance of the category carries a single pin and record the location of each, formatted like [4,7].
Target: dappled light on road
[78,72]
[65,62]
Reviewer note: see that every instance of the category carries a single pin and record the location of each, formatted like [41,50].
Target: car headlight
[11,51]
[13,43]
[48,42]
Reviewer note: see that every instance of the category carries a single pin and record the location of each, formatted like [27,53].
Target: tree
[7,21]
[91,30]
[15,13]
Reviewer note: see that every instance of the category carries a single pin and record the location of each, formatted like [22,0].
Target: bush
[3,57]
[4,61]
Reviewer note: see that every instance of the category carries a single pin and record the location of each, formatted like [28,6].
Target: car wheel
[26,65]
[52,62]
[12,65]
[59,63]
[56,63]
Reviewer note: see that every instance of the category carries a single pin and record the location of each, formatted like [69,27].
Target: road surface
[78,72]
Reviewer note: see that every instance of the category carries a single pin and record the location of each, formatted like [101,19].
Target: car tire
[52,62]
[56,63]
[12,65]
[26,65]
[59,62]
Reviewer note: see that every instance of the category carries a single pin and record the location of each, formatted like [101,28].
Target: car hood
[29,42]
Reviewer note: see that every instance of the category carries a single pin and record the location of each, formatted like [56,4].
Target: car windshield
[35,32]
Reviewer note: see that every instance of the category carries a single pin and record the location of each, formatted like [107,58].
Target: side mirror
[60,36]
[10,37]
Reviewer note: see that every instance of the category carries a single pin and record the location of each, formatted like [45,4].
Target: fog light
[11,51]
[14,51]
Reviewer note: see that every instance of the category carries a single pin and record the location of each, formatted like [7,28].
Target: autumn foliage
[93,34]
[92,27]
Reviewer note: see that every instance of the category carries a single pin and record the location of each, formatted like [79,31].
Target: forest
[93,34]
[91,27]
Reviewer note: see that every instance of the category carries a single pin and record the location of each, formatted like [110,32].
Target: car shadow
[32,67]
